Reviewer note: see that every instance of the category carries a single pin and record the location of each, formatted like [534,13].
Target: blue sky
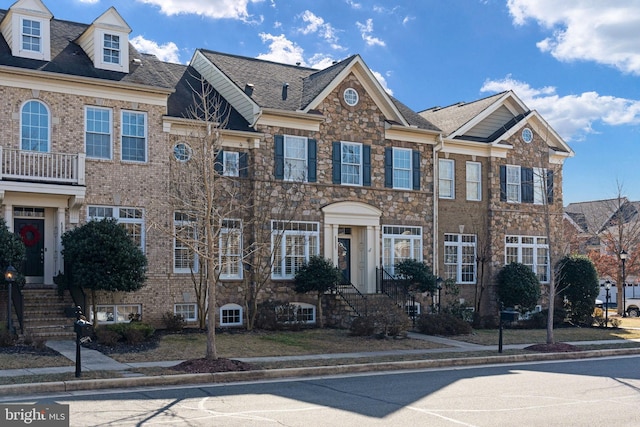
[575,61]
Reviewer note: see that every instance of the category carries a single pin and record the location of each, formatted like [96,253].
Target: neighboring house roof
[593,216]
[68,58]
[188,83]
[451,118]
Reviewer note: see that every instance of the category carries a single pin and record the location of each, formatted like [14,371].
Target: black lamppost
[607,287]
[439,287]
[623,258]
[10,277]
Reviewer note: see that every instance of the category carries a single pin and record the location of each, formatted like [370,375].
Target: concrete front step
[44,314]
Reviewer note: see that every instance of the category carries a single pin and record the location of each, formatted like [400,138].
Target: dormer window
[111,49]
[31,36]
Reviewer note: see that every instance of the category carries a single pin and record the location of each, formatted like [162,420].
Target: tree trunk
[212,353]
[320,319]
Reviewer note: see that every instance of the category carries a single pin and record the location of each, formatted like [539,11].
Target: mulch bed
[201,366]
[558,347]
[28,349]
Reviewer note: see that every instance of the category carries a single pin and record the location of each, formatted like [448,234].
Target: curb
[268,374]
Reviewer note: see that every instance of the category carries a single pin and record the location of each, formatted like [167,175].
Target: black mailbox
[83,328]
[509,315]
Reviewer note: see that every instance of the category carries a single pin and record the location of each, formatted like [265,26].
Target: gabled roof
[451,118]
[67,58]
[593,216]
[252,85]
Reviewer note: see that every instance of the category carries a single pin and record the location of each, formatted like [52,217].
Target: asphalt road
[568,393]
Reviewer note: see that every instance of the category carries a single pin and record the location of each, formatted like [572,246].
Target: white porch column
[372,256]
[8,216]
[58,262]
[331,242]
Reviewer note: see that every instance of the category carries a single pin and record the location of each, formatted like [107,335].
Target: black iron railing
[353,297]
[18,304]
[398,290]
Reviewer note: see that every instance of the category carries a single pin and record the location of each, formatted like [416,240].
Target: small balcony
[35,166]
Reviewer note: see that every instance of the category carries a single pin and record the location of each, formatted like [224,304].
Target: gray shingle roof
[451,118]
[592,216]
[68,58]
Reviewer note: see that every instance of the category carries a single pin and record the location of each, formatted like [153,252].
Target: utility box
[83,328]
[509,315]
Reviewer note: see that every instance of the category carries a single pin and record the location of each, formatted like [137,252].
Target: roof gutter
[436,229]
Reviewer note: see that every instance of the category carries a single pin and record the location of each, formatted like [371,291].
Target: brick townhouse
[93,128]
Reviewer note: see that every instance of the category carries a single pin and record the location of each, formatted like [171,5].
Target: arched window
[34,126]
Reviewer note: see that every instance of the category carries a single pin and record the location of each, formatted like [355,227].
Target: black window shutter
[243,159]
[416,169]
[388,167]
[279,156]
[217,164]
[526,183]
[366,165]
[312,160]
[503,183]
[549,187]
[337,163]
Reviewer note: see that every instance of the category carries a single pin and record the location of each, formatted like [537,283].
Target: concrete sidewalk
[95,361]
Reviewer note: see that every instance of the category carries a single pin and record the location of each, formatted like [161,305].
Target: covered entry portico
[352,241]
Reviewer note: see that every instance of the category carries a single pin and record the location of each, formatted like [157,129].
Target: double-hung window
[231,249]
[295,158]
[231,163]
[460,257]
[185,258]
[132,219]
[400,243]
[111,49]
[34,126]
[446,179]
[98,132]
[31,35]
[513,184]
[402,169]
[293,244]
[474,185]
[351,163]
[540,189]
[134,136]
[531,251]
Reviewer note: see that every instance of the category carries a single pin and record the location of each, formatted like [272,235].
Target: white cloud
[382,81]
[572,116]
[354,5]
[606,32]
[315,24]
[167,52]
[89,1]
[366,30]
[232,9]
[320,61]
[282,50]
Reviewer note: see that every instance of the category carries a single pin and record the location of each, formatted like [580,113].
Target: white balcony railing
[58,168]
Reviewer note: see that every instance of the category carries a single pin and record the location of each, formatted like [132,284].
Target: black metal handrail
[353,297]
[79,297]
[18,303]
[398,290]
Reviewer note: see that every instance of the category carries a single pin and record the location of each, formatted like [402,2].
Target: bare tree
[207,202]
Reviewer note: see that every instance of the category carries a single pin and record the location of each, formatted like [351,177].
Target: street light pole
[623,258]
[10,277]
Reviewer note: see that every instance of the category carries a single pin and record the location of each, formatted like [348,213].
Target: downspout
[436,197]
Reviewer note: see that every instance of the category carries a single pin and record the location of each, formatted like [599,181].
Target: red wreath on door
[30,235]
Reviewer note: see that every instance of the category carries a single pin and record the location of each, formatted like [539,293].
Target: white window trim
[116,315]
[459,244]
[305,158]
[146,136]
[535,246]
[123,65]
[517,184]
[48,124]
[226,156]
[234,307]
[110,111]
[388,236]
[196,264]
[44,54]
[224,231]
[277,233]
[187,304]
[360,164]
[408,170]
[116,216]
[451,179]
[478,196]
